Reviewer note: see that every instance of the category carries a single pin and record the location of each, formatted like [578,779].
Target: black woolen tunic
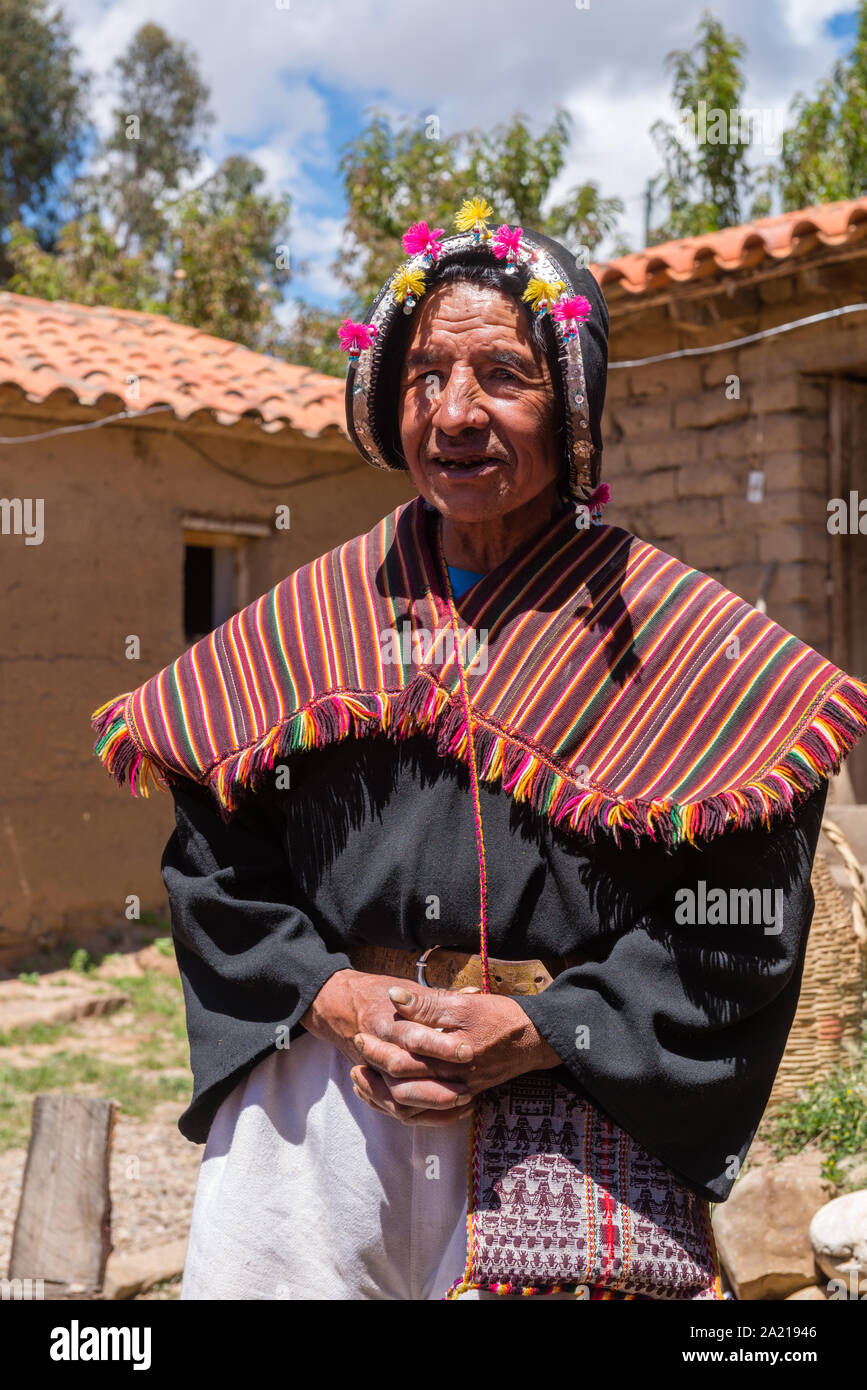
[686,1024]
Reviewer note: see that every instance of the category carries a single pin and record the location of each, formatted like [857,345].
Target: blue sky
[291,81]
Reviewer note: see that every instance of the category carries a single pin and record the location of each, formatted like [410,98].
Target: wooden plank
[63,1228]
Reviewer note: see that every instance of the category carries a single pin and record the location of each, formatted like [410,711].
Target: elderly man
[453,1029]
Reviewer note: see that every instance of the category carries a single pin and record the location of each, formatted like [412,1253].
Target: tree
[155,139]
[207,255]
[824,152]
[85,265]
[227,277]
[42,114]
[395,175]
[707,182]
[311,339]
[215,269]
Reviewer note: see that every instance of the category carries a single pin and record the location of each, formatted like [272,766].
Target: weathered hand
[480,1039]
[352,1005]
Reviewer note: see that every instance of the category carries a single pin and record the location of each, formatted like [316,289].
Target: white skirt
[306,1192]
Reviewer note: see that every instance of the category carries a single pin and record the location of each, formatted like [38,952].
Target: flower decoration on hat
[543,294]
[419,240]
[507,246]
[596,501]
[472,217]
[571,312]
[408,287]
[356,337]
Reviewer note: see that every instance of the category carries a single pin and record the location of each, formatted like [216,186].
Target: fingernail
[358,1041]
[464,1053]
[399,996]
[463,1100]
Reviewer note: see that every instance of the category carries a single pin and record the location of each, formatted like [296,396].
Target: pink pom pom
[507,241]
[420,239]
[569,310]
[355,337]
[600,498]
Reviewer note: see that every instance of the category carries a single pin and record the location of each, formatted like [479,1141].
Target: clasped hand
[420,1054]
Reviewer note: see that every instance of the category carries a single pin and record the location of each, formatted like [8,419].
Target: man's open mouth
[472,464]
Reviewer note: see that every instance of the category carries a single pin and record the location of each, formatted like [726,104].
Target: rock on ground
[838,1234]
[763,1230]
[126,1275]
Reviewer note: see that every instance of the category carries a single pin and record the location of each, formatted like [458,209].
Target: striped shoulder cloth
[613,688]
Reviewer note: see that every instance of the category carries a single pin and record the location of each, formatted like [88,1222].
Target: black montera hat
[554,284]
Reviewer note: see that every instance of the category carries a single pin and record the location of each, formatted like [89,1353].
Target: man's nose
[458,405]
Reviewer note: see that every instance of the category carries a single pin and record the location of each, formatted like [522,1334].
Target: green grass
[84,1075]
[69,955]
[82,962]
[832,1113]
[39,1033]
[156,998]
[153,919]
[155,1018]
[166,1289]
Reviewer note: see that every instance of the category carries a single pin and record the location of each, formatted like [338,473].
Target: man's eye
[504,372]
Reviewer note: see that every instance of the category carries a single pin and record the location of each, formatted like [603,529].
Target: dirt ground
[130,1054]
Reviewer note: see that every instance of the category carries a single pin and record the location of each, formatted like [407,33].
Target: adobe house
[158,526]
[154,530]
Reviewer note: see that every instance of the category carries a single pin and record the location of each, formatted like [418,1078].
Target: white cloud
[469,64]
[315,240]
[805,19]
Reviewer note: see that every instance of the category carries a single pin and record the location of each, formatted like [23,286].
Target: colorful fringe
[660,736]
[425,708]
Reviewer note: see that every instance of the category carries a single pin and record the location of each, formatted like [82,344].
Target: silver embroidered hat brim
[363,372]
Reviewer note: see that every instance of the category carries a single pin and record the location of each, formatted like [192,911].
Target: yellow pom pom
[473,212]
[537,290]
[407,282]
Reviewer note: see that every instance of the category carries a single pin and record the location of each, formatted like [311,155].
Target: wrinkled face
[476,406]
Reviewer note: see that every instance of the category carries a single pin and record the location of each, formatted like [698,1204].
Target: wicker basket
[830,1007]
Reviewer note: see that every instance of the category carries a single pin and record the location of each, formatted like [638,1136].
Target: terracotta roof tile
[734,248]
[89,352]
[54,346]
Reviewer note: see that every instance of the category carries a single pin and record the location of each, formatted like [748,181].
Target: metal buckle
[420,965]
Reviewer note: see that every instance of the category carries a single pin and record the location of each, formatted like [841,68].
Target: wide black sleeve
[250,963]
[677,1028]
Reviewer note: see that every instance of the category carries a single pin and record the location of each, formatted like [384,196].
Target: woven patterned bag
[830,1006]
[562,1200]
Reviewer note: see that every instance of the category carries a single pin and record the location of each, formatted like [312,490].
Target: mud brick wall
[679,451]
[111,564]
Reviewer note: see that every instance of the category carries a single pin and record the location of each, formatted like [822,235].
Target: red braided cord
[474,780]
